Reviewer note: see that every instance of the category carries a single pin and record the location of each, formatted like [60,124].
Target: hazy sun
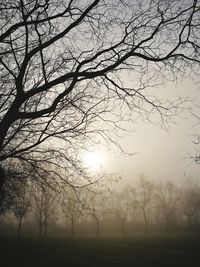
[93,160]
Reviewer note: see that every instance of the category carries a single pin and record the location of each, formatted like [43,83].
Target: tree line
[144,207]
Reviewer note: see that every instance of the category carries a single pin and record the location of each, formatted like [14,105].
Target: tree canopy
[63,65]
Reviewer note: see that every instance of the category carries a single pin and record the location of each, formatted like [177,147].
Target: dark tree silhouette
[62,61]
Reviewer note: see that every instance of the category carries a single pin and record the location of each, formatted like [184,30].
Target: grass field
[104,251]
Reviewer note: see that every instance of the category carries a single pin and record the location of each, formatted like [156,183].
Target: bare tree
[142,196]
[190,203]
[167,199]
[44,208]
[62,61]
[120,207]
[23,203]
[96,205]
[71,207]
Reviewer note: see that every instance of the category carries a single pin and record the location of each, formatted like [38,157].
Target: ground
[171,250]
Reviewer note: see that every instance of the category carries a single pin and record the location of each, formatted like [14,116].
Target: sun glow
[92,160]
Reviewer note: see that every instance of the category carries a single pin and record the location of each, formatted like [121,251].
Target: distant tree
[61,62]
[96,205]
[167,201]
[23,203]
[190,203]
[44,208]
[120,207]
[71,207]
[142,196]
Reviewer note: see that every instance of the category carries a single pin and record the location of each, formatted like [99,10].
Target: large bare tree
[62,61]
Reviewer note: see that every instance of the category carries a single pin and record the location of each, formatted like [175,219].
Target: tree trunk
[40,226]
[97,227]
[72,227]
[45,227]
[2,180]
[19,226]
[167,222]
[145,223]
[123,226]
[9,118]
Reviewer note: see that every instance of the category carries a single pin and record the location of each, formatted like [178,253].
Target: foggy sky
[161,153]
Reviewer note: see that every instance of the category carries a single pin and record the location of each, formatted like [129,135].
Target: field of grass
[104,251]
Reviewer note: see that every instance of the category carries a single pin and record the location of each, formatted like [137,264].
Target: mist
[99,133]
